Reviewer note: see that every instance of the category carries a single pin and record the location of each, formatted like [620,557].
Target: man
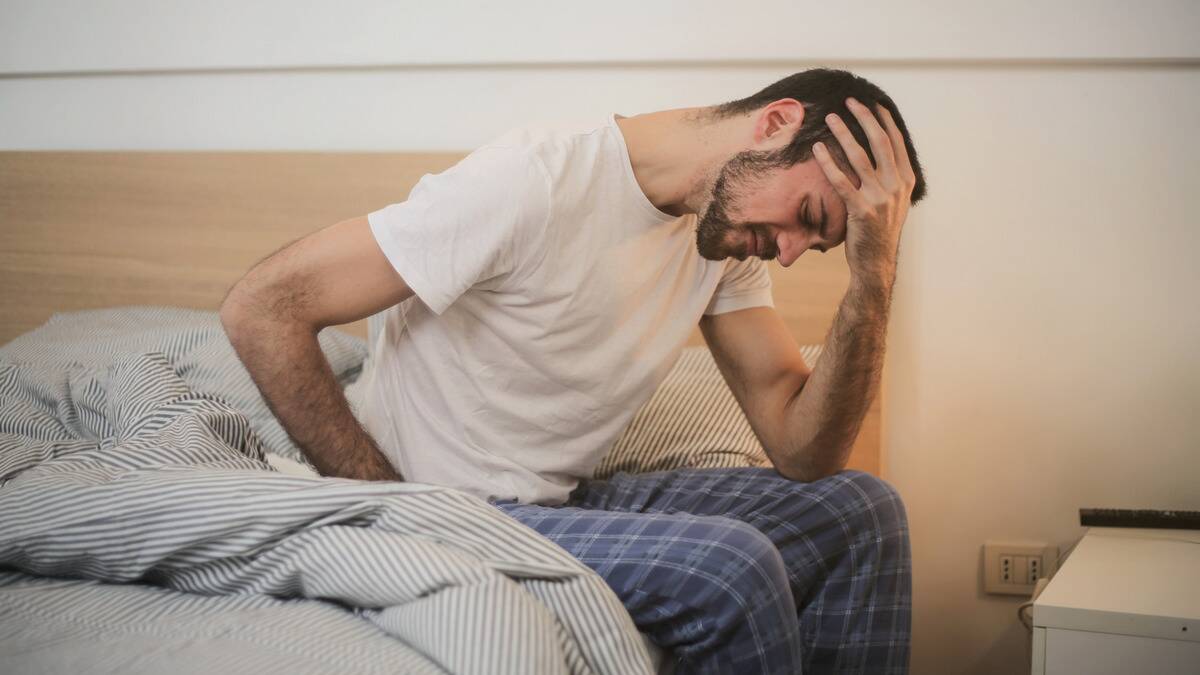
[537,293]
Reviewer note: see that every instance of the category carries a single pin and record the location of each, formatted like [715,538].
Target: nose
[791,246]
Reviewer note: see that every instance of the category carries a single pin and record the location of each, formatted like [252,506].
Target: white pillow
[692,420]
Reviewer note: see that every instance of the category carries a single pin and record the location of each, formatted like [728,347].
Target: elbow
[251,312]
[228,312]
[811,464]
[235,313]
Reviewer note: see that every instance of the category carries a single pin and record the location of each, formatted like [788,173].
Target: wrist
[869,296]
[877,279]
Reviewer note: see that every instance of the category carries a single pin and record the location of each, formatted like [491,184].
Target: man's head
[773,196]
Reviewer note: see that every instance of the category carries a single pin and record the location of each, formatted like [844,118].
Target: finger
[854,152]
[841,184]
[903,163]
[881,146]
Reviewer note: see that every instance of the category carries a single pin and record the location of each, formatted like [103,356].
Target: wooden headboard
[81,230]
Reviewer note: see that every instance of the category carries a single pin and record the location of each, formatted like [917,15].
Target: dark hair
[823,91]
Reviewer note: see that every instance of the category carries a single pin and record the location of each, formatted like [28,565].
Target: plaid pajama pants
[741,570]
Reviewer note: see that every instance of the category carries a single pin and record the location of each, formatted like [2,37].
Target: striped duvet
[141,530]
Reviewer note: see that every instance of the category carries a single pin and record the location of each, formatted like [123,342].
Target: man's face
[778,212]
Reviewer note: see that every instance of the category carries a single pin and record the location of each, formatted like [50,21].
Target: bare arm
[273,315]
[808,419]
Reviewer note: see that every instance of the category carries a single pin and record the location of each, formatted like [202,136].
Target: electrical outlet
[1014,567]
[1033,568]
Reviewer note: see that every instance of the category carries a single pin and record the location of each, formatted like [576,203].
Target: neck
[676,155]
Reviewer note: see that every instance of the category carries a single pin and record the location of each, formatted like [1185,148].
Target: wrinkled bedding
[142,530]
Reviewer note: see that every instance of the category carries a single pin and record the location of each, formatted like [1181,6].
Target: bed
[157,517]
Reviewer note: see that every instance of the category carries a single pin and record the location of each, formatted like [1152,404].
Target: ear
[777,123]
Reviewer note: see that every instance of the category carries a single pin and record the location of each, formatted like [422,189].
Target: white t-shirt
[551,299]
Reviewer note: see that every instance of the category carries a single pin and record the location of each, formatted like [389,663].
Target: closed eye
[824,221]
[806,218]
[808,221]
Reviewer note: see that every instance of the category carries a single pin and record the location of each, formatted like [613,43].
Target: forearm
[286,363]
[823,417]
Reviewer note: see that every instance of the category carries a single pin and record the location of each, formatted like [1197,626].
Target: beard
[714,224]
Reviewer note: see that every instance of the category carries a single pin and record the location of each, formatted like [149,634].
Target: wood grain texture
[83,230]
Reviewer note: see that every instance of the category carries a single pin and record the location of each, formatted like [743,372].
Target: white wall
[91,35]
[1043,344]
[376,75]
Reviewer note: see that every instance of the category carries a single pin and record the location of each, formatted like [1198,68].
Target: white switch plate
[1013,567]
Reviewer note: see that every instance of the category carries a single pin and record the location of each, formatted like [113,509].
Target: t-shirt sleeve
[746,283]
[471,224]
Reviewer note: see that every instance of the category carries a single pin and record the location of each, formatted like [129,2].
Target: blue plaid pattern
[742,570]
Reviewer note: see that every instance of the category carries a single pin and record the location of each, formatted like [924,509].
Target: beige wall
[1043,352]
[1045,346]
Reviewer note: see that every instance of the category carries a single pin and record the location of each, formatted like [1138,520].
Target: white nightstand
[1126,601]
